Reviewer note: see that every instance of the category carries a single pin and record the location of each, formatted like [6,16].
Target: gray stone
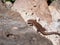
[19,33]
[25,39]
[56,4]
[14,31]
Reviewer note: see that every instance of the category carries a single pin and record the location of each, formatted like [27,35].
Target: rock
[8,13]
[55,25]
[38,8]
[14,15]
[3,9]
[55,13]
[56,4]
[8,5]
[25,39]
[14,30]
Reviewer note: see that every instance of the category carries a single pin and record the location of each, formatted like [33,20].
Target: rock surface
[14,30]
[19,33]
[25,9]
[55,25]
[35,8]
[56,4]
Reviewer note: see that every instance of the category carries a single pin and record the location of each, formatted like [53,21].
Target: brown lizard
[40,28]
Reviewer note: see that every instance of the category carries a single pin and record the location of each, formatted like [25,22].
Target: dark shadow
[49,1]
[12,1]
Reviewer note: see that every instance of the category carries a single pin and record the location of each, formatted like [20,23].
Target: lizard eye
[30,22]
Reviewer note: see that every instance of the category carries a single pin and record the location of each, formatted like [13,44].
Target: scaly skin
[40,28]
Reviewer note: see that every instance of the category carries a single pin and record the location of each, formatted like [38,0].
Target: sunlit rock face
[55,13]
[3,9]
[13,32]
[16,32]
[8,4]
[33,9]
[25,7]
[55,25]
[56,4]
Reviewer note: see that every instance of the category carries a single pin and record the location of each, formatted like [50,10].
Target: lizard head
[31,22]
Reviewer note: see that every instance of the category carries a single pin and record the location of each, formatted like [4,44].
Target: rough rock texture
[14,15]
[55,13]
[35,8]
[14,31]
[2,7]
[25,9]
[55,25]
[29,10]
[56,4]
